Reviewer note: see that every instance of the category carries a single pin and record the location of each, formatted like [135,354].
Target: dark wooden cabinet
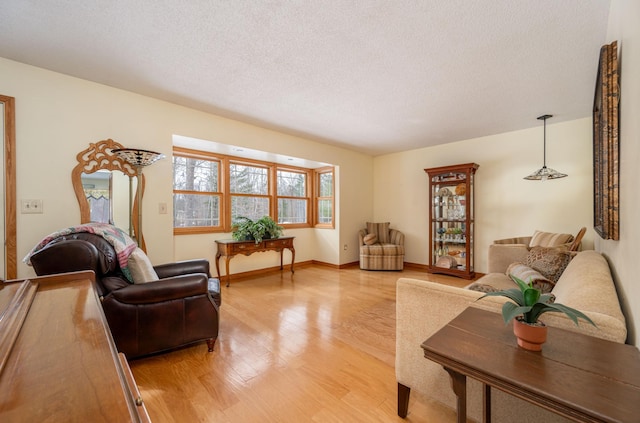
[58,362]
[451,219]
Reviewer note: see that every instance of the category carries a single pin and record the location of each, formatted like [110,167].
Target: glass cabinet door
[451,220]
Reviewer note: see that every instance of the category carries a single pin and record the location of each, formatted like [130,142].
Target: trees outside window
[196,193]
[293,197]
[249,189]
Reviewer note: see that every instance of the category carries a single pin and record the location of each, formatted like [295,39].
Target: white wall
[623,254]
[506,204]
[57,116]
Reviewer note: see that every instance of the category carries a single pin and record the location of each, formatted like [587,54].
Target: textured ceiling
[377,76]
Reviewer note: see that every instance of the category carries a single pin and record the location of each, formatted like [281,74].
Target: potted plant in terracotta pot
[525,310]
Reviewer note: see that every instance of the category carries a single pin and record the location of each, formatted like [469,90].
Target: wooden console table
[580,377]
[229,248]
[58,362]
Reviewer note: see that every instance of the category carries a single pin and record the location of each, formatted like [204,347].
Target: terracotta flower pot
[530,336]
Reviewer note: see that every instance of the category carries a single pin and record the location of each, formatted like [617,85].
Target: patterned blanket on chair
[121,242]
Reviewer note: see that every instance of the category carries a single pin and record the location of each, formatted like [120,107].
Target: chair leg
[210,343]
[403,400]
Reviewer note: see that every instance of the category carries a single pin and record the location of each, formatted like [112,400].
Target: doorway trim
[11,260]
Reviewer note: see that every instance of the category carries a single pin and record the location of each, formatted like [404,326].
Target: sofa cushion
[382,257]
[549,239]
[550,262]
[381,230]
[113,283]
[529,275]
[492,282]
[142,270]
[378,249]
[370,239]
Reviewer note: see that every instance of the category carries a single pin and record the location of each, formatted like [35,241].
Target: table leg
[459,385]
[486,403]
[227,270]
[281,257]
[218,264]
[293,257]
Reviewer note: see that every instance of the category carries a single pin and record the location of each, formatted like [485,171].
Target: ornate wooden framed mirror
[100,179]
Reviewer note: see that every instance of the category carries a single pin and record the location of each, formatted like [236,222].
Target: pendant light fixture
[544,173]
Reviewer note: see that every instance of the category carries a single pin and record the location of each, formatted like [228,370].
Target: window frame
[200,155]
[312,180]
[229,160]
[317,197]
[307,195]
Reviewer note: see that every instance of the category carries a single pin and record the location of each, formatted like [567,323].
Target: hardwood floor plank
[315,346]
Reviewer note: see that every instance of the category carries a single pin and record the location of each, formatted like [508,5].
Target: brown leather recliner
[179,309]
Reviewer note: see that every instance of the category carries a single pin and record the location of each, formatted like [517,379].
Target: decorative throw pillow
[549,239]
[527,274]
[141,269]
[381,230]
[481,287]
[550,262]
[370,239]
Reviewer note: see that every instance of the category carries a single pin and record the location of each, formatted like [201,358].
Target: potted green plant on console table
[525,310]
[246,229]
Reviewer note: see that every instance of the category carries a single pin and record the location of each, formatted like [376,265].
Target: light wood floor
[316,346]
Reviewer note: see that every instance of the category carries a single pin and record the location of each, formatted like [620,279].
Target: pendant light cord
[544,148]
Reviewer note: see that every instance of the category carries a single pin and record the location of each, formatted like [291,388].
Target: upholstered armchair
[168,306]
[381,248]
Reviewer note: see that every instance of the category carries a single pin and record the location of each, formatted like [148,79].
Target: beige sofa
[424,307]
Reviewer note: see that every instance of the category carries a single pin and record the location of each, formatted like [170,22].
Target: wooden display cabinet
[451,219]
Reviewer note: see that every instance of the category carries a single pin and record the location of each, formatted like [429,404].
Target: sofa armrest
[174,288]
[502,255]
[396,237]
[423,308]
[182,268]
[361,234]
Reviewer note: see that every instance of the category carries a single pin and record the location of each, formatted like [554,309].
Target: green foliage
[246,229]
[530,303]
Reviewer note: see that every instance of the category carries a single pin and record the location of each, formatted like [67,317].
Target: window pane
[248,179]
[251,207]
[326,184]
[191,210]
[195,175]
[292,211]
[291,184]
[325,211]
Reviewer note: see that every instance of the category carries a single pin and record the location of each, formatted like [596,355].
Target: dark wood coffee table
[583,378]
